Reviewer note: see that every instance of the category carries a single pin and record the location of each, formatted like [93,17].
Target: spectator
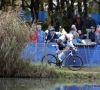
[81,35]
[52,36]
[47,32]
[34,36]
[72,30]
[92,34]
[89,23]
[78,22]
[74,27]
[62,30]
[98,25]
[41,34]
[97,36]
[76,40]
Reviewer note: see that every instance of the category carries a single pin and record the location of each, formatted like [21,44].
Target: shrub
[14,35]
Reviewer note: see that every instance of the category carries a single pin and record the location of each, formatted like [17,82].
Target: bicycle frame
[70,54]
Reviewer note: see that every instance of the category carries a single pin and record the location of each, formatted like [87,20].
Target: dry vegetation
[13,37]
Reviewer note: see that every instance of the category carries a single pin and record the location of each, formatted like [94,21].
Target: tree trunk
[79,7]
[36,8]
[50,10]
[58,6]
[2,4]
[85,14]
[23,6]
[62,4]
[72,6]
[32,7]
[41,6]
[62,9]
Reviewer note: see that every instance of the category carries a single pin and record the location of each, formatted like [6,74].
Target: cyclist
[66,38]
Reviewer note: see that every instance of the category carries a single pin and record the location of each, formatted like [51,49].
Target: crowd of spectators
[49,35]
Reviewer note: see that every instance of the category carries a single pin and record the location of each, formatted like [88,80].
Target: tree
[2,4]
[98,2]
[50,10]
[79,6]
[85,13]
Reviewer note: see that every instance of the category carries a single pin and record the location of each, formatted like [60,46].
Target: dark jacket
[92,36]
[52,38]
[82,36]
[78,26]
[89,23]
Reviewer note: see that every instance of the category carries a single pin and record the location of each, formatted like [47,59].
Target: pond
[48,84]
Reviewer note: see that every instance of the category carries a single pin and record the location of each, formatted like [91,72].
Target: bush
[14,35]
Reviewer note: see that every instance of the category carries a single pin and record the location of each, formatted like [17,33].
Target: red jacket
[34,37]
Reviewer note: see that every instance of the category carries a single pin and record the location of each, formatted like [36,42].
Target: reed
[14,35]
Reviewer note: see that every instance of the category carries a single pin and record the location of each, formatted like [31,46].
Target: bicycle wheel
[75,63]
[49,59]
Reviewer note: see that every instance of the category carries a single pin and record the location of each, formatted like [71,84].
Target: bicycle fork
[74,61]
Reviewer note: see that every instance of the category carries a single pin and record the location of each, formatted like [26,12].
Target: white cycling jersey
[68,37]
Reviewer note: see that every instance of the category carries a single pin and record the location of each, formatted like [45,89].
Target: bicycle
[73,61]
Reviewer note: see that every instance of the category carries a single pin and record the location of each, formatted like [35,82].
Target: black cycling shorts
[61,44]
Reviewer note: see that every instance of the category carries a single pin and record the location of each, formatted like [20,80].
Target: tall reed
[14,35]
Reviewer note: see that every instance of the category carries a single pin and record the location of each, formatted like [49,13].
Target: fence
[89,53]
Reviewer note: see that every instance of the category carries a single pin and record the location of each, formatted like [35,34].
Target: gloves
[75,49]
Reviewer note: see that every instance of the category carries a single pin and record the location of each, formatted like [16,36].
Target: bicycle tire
[75,63]
[49,60]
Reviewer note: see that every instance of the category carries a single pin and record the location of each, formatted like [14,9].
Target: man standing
[78,22]
[92,34]
[89,23]
[41,34]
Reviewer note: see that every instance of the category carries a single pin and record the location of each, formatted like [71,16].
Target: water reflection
[46,84]
[75,87]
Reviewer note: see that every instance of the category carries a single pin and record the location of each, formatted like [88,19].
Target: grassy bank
[27,70]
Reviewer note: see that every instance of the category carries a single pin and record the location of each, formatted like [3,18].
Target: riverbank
[39,71]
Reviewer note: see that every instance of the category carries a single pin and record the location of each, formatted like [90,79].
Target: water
[48,84]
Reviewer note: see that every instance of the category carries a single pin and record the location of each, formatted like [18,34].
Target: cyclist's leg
[62,53]
[61,46]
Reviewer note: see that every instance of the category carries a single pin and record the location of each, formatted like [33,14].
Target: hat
[92,27]
[60,27]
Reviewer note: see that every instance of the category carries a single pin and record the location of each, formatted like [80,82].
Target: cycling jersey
[64,38]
